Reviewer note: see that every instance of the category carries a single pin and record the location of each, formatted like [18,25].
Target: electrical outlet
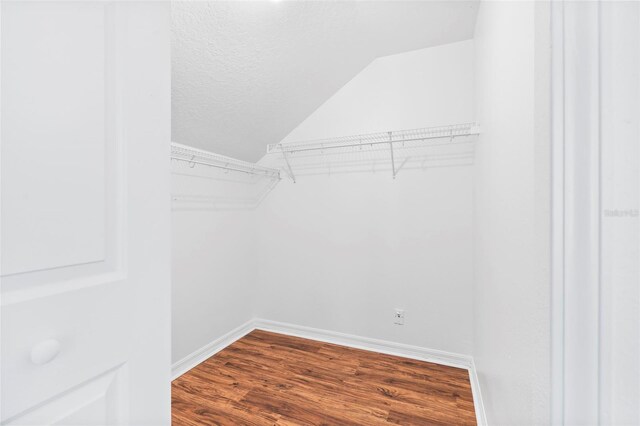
[398,318]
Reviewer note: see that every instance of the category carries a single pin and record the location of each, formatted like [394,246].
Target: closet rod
[224,167]
[196,156]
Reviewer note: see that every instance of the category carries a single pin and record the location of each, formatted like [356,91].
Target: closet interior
[380,220]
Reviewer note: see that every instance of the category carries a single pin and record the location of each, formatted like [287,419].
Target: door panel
[88,325]
[60,125]
[62,168]
[85,125]
[99,401]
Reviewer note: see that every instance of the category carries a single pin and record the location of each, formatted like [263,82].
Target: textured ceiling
[246,73]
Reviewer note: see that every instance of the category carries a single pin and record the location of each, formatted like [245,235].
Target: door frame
[576,207]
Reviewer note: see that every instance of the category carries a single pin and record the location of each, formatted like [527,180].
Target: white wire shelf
[390,139]
[193,156]
[423,134]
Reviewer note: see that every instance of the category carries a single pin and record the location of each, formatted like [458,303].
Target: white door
[85,127]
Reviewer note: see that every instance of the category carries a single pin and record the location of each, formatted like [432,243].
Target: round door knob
[45,351]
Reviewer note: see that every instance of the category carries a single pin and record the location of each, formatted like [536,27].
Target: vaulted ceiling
[246,73]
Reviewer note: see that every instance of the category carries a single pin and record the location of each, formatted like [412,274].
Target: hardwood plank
[267,378]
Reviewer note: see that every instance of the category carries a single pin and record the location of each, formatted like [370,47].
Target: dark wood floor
[272,379]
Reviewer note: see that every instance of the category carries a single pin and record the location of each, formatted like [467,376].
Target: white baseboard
[366,343]
[478,403]
[385,347]
[353,341]
[207,351]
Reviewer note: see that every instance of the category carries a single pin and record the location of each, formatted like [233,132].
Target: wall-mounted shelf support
[393,162]
[286,160]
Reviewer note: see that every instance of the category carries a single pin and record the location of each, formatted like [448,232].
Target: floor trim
[390,348]
[358,342]
[366,343]
[193,359]
[478,403]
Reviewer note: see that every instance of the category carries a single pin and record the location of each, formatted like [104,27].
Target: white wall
[512,290]
[340,252]
[420,88]
[213,257]
[213,276]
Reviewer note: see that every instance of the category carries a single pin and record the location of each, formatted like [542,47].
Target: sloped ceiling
[244,73]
